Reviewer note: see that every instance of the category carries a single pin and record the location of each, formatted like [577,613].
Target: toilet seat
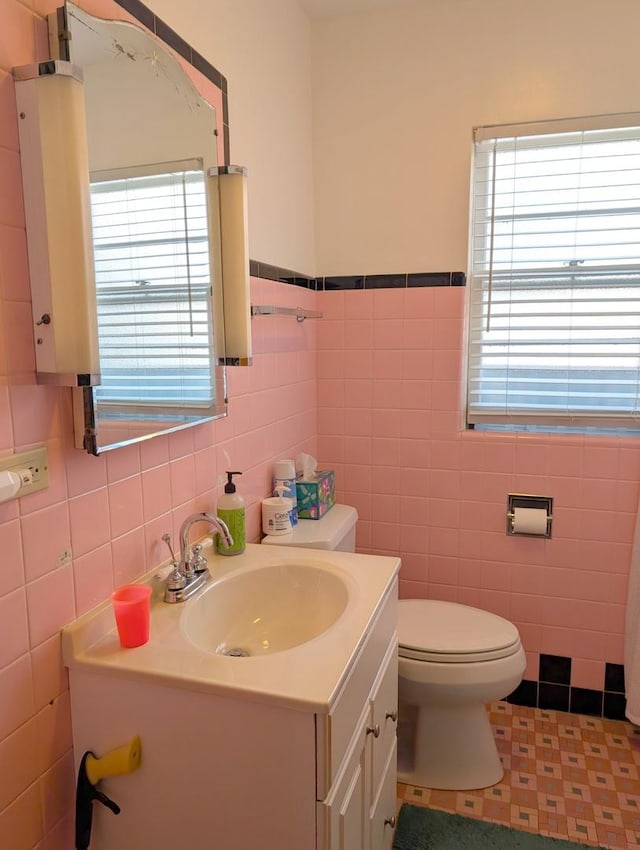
[446,633]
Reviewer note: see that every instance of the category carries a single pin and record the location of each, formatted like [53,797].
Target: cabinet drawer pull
[390,821]
[391,715]
[374,730]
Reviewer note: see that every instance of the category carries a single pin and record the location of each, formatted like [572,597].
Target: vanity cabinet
[359,811]
[225,768]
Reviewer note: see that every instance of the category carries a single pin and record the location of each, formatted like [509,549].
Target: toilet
[453,659]
[335,530]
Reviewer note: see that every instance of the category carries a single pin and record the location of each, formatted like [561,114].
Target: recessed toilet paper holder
[529,503]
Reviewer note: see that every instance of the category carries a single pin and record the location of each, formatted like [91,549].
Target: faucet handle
[198,562]
[166,537]
[176,580]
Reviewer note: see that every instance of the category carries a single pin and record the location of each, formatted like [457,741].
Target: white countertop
[307,677]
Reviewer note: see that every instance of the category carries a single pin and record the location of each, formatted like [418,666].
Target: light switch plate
[34,460]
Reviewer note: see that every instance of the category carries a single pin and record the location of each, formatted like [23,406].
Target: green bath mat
[426,829]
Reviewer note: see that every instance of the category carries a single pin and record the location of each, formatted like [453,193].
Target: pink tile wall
[100,522]
[389,422]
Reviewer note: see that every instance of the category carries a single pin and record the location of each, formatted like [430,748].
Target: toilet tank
[336,530]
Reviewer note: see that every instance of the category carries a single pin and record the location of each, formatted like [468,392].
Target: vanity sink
[265,610]
[300,617]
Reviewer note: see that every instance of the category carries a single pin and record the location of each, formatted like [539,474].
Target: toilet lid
[431,630]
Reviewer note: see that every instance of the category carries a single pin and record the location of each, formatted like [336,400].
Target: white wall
[264,51]
[392,96]
[397,92]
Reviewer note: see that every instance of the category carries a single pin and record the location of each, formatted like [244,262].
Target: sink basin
[265,610]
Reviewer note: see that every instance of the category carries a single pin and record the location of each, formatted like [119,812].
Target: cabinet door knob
[390,821]
[374,730]
[391,715]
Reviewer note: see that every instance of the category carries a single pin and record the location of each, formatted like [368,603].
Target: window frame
[486,282]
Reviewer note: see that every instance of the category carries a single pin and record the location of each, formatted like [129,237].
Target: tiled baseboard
[553,690]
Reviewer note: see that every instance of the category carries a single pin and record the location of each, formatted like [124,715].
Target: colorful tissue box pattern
[317,495]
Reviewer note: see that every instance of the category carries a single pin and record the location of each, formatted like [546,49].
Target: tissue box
[316,495]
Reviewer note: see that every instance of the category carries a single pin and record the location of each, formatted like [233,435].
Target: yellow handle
[124,759]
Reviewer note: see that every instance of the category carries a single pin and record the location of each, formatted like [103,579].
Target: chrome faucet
[191,573]
[186,562]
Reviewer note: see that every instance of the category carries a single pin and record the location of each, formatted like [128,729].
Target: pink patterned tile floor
[566,776]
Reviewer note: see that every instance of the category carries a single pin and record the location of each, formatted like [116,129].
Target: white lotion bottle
[276,513]
[284,474]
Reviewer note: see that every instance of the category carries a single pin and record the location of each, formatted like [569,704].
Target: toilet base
[453,748]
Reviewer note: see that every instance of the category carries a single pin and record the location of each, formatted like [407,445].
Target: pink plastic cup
[131,606]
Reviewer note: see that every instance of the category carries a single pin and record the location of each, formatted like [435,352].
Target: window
[554,288]
[153,287]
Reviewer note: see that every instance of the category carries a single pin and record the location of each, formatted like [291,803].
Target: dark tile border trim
[555,669]
[344,283]
[164,32]
[554,691]
[392,281]
[269,272]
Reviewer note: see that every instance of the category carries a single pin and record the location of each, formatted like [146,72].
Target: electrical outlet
[35,460]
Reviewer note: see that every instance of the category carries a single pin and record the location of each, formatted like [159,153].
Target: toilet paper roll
[529,521]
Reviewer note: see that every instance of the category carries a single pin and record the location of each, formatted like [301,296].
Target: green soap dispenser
[231,510]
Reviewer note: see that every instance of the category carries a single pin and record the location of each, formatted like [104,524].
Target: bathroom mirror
[156,236]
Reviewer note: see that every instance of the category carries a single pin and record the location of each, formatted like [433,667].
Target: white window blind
[153,287]
[554,289]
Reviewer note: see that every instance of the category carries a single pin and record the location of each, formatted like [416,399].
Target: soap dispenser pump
[231,510]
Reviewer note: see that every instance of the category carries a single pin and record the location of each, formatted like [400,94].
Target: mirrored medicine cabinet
[155,233]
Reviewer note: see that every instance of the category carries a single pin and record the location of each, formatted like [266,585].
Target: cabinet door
[343,818]
[384,705]
[349,822]
[383,810]
[335,730]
